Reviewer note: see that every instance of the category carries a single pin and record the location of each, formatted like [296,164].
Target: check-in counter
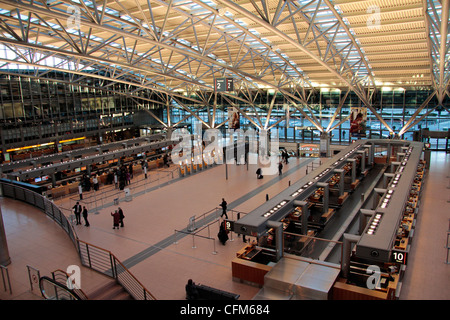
[345,291]
[251,264]
[63,190]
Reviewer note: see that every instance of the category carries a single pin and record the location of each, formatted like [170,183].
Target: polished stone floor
[163,259]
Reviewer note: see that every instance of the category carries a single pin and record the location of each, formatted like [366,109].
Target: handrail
[58,273]
[54,212]
[60,289]
[94,202]
[117,271]
[193,239]
[3,271]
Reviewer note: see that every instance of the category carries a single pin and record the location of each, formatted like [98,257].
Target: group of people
[123,176]
[223,232]
[78,211]
[118,217]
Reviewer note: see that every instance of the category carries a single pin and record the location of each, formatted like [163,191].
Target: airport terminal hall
[248,152]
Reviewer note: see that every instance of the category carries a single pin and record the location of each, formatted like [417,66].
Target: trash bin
[128,196]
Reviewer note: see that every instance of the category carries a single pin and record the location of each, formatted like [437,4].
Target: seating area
[209,293]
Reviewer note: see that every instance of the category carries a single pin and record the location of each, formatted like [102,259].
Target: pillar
[278,227]
[349,240]
[326,195]
[324,146]
[365,214]
[4,252]
[353,161]
[363,160]
[341,180]
[305,215]
[389,153]
[370,154]
[386,177]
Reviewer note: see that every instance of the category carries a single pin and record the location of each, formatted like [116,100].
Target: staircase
[109,291]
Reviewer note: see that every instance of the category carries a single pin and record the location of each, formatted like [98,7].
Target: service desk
[345,291]
[245,267]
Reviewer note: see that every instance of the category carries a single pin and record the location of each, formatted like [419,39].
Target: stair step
[109,291]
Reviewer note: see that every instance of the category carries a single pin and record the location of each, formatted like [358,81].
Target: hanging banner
[288,114]
[358,118]
[233,118]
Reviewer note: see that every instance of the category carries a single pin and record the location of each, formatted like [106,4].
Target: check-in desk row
[190,168]
[384,244]
[298,228]
[389,283]
[198,162]
[405,231]
[252,263]
[61,190]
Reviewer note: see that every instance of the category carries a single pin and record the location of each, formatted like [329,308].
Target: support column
[341,181]
[305,215]
[278,227]
[326,195]
[4,252]
[386,176]
[400,156]
[363,160]
[349,239]
[370,154]
[324,147]
[353,161]
[389,153]
[394,166]
[378,192]
[364,215]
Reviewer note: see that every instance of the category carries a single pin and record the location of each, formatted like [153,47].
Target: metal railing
[313,165]
[105,262]
[312,247]
[448,243]
[90,255]
[210,217]
[94,200]
[5,279]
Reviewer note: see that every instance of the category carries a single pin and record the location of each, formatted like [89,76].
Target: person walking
[85,216]
[77,211]
[223,233]
[130,170]
[95,182]
[280,168]
[166,160]
[224,209]
[116,219]
[121,216]
[80,191]
[259,173]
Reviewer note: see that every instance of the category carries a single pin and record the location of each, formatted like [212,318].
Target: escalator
[53,290]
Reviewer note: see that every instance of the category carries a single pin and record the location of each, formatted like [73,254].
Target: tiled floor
[146,244]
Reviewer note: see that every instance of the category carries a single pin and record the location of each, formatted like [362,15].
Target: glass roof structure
[180,47]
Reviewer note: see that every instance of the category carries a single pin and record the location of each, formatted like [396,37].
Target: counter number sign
[399,256]
[224,84]
[229,225]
